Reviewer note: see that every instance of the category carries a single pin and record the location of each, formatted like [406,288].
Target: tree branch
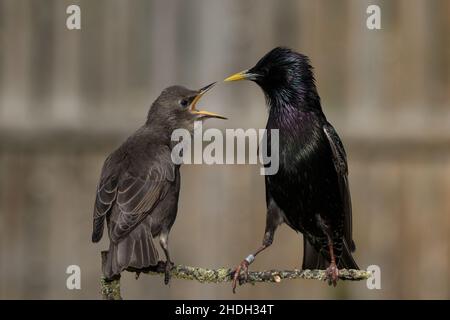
[111,289]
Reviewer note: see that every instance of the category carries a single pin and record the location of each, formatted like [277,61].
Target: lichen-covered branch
[111,289]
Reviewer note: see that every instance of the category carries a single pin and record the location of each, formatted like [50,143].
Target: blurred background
[70,97]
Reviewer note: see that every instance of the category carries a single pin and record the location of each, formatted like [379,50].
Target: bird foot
[168,267]
[332,274]
[242,267]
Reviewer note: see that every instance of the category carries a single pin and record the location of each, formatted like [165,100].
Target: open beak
[243,75]
[202,113]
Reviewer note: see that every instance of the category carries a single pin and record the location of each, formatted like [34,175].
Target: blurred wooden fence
[67,98]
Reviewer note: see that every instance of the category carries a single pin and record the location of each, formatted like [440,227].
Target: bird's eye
[184,103]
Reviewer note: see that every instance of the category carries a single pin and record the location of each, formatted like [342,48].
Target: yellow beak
[207,114]
[238,76]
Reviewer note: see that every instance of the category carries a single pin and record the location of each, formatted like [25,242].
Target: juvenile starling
[310,191]
[139,185]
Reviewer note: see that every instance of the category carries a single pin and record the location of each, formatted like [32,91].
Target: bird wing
[135,188]
[106,195]
[140,190]
[340,164]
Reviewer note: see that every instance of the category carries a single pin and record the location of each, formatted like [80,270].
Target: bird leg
[332,271]
[164,242]
[273,220]
[243,266]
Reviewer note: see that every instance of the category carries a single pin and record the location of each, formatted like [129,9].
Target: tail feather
[312,259]
[136,250]
[346,261]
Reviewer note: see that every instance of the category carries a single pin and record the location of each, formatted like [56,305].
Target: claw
[243,266]
[332,274]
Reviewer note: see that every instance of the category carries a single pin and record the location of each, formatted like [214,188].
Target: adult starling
[310,191]
[139,185]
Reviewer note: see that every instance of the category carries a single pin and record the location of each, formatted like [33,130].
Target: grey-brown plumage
[139,185]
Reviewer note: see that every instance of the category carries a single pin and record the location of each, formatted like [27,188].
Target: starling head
[176,108]
[285,76]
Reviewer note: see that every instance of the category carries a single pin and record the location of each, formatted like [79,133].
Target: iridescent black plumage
[310,191]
